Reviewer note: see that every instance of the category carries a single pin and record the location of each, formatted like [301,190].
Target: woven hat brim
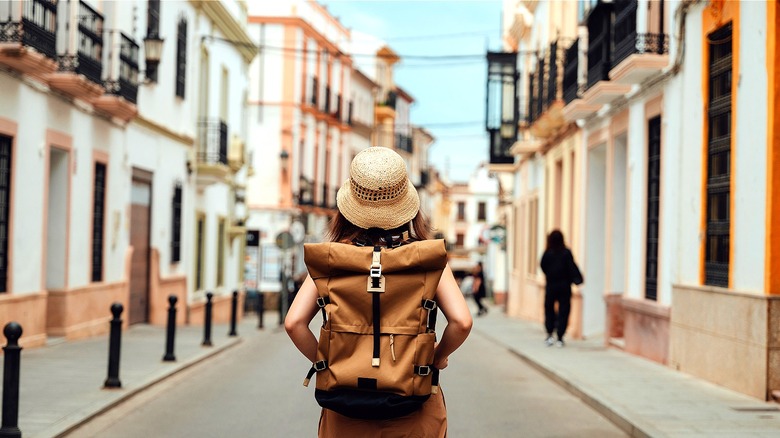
[385,215]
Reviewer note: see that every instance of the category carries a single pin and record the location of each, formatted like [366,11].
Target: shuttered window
[181,58]
[98,213]
[718,212]
[176,225]
[653,205]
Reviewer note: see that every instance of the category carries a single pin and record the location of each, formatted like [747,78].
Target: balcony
[305,196]
[600,90]
[28,37]
[502,114]
[81,67]
[575,107]
[546,93]
[122,86]
[636,56]
[212,152]
[403,143]
[327,197]
[386,107]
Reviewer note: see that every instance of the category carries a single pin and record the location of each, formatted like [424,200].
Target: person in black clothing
[561,271]
[478,288]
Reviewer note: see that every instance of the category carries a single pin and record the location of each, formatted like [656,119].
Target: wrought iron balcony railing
[213,141]
[36,28]
[390,100]
[126,85]
[326,104]
[88,59]
[571,86]
[315,89]
[599,41]
[403,142]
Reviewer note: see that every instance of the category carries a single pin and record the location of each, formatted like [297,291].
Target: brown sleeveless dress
[429,422]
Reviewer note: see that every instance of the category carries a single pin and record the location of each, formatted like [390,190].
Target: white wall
[594,241]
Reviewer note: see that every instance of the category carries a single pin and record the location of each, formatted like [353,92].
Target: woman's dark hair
[342,230]
[555,240]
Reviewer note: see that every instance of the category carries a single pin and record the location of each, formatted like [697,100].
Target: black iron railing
[570,72]
[337,113]
[127,83]
[350,107]
[390,99]
[599,40]
[212,146]
[89,61]
[403,142]
[305,196]
[552,75]
[315,89]
[36,28]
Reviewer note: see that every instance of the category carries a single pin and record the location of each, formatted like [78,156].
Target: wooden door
[140,213]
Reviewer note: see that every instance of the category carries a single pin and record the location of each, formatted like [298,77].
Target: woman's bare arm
[303,309]
[451,302]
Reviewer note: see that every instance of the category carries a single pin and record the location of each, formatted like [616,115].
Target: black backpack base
[369,405]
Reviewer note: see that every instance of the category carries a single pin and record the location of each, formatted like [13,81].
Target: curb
[91,412]
[621,420]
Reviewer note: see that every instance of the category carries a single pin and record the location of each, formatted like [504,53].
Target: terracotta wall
[646,329]
[83,312]
[220,310]
[29,311]
[159,291]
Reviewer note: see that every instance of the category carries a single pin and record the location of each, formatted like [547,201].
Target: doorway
[57,219]
[140,215]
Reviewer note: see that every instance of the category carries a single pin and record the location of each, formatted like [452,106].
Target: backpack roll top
[370,370]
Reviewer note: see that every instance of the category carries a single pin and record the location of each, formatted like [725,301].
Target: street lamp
[153,51]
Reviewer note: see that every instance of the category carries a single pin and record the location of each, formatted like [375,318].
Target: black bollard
[260,309]
[114,345]
[171,333]
[10,428]
[207,322]
[233,314]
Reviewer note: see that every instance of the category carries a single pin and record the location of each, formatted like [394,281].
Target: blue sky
[447,90]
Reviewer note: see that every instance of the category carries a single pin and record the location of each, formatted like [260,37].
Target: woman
[478,288]
[369,212]
[561,271]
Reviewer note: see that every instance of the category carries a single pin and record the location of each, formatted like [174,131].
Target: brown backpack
[375,351]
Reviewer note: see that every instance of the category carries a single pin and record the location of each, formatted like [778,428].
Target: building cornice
[160,129]
[232,28]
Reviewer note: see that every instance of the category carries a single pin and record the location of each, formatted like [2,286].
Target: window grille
[176,225]
[5,206]
[653,204]
[98,213]
[716,257]
[181,58]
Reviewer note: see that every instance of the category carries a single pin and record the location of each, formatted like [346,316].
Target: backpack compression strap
[376,286]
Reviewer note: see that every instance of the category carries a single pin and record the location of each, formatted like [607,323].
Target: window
[200,227]
[176,225]
[5,206]
[653,204]
[460,240]
[461,211]
[716,255]
[481,213]
[181,57]
[533,231]
[221,252]
[153,19]
[98,213]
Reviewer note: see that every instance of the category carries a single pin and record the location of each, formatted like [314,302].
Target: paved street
[255,389]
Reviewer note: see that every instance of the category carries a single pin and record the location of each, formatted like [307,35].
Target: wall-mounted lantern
[153,51]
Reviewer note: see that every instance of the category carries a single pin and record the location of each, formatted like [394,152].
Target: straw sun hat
[378,193]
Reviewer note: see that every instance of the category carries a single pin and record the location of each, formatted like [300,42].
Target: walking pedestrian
[561,271]
[372,210]
[478,288]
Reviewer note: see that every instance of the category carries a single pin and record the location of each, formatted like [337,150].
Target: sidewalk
[61,385]
[643,398]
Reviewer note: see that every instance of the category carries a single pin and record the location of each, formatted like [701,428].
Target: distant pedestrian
[560,271]
[478,288]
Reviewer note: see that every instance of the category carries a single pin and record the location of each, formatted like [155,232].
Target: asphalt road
[254,390]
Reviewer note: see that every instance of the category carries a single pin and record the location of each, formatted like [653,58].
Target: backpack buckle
[376,271]
[423,370]
[429,304]
[321,301]
[320,365]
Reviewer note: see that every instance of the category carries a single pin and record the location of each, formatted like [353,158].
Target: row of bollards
[13,331]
